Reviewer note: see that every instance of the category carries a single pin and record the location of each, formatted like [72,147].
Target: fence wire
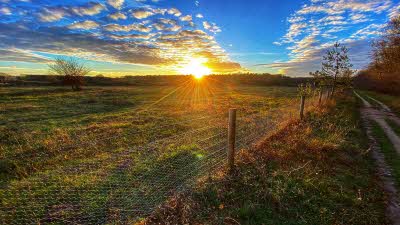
[129,183]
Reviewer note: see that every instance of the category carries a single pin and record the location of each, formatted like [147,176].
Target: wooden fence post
[231,139]
[328,94]
[303,99]
[320,96]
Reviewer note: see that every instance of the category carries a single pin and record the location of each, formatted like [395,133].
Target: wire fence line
[128,184]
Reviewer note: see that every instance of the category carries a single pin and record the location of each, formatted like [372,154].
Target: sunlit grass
[72,142]
[315,172]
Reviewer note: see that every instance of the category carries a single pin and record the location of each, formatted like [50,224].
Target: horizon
[143,37]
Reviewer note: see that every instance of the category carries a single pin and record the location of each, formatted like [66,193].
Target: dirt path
[380,116]
[369,114]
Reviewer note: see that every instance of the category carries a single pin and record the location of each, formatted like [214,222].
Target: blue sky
[129,37]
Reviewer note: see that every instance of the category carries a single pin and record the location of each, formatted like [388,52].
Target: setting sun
[196,68]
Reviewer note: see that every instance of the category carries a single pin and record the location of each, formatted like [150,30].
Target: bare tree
[336,67]
[72,71]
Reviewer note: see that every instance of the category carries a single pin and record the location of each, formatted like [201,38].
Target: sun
[196,68]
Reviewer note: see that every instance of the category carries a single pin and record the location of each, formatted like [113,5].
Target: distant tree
[386,51]
[383,73]
[72,71]
[336,68]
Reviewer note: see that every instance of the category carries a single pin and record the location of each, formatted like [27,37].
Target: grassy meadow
[318,171]
[109,154]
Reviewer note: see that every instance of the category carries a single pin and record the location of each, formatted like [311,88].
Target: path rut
[369,113]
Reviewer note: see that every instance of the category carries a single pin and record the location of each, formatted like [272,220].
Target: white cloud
[132,36]
[117,16]
[86,25]
[175,12]
[91,10]
[142,13]
[359,18]
[199,15]
[116,3]
[395,11]
[372,29]
[51,15]
[127,28]
[186,18]
[5,11]
[315,26]
[212,27]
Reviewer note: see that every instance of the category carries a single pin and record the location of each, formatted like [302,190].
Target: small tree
[336,67]
[72,71]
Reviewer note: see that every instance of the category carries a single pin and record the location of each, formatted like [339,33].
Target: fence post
[320,96]
[328,94]
[303,99]
[332,91]
[231,139]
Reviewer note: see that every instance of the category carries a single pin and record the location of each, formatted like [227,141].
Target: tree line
[383,73]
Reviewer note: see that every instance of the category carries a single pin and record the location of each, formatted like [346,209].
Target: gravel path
[369,114]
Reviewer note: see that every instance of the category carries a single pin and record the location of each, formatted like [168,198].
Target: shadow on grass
[123,194]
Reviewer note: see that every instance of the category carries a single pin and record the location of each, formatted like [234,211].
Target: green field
[110,154]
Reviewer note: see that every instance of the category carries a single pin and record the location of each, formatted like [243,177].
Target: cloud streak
[317,25]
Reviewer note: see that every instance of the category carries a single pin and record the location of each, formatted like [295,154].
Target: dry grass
[315,172]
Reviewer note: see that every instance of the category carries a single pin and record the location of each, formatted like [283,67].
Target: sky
[152,37]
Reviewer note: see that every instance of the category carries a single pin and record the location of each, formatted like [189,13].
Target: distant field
[96,155]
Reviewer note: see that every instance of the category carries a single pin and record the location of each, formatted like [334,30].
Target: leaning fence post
[231,139]
[320,96]
[303,99]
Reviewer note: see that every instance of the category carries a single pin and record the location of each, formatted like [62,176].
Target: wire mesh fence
[131,180]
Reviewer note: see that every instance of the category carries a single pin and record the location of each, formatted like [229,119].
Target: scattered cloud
[186,18]
[119,31]
[116,3]
[89,10]
[175,12]
[15,55]
[85,25]
[212,27]
[317,25]
[142,13]
[52,15]
[127,28]
[5,11]
[117,16]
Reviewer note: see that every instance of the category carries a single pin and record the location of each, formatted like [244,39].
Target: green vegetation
[92,156]
[315,172]
[391,156]
[394,126]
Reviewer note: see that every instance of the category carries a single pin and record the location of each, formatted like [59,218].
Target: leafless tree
[72,71]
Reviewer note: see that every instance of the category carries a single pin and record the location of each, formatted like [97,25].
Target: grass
[391,156]
[91,156]
[394,126]
[39,123]
[315,172]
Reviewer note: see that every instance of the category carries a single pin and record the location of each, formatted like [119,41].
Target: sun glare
[196,68]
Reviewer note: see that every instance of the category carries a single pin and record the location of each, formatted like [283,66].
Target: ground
[382,126]
[111,154]
[318,171]
[93,156]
